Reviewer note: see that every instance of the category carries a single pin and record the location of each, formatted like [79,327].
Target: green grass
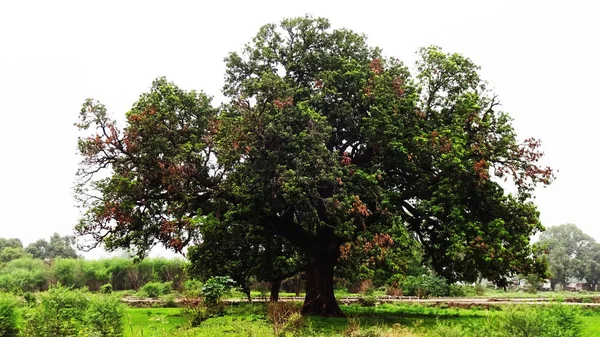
[153,322]
[250,320]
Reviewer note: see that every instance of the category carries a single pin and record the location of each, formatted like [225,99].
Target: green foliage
[571,254]
[23,275]
[63,312]
[30,298]
[106,288]
[153,289]
[479,289]
[102,315]
[323,140]
[554,321]
[215,288]
[26,274]
[58,246]
[425,286]
[193,288]
[456,290]
[60,313]
[8,316]
[11,253]
[285,318]
[368,300]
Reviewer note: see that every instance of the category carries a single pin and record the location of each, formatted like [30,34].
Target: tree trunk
[320,299]
[297,284]
[275,286]
[248,296]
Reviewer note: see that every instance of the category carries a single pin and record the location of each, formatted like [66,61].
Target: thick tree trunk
[275,286]
[553,283]
[320,299]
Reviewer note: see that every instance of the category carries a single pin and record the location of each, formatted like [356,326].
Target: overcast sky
[541,57]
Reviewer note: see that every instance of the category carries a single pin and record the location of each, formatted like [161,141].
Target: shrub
[30,298]
[425,285]
[479,289]
[152,289]
[195,311]
[368,301]
[455,290]
[167,287]
[106,288]
[285,317]
[8,316]
[215,288]
[193,288]
[104,315]
[60,314]
[18,280]
[553,321]
[168,301]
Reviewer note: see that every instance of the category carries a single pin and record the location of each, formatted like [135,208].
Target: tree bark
[320,299]
[248,295]
[275,286]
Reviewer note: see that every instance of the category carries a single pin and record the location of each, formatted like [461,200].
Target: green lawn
[250,320]
[152,322]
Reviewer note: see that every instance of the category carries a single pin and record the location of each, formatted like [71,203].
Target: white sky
[541,57]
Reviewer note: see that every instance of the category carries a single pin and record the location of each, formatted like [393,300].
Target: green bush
[106,288]
[193,288]
[8,316]
[368,300]
[102,314]
[60,313]
[22,275]
[425,285]
[455,290]
[152,289]
[548,321]
[479,289]
[30,298]
[167,287]
[215,288]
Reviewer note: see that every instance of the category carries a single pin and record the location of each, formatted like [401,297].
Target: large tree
[571,254]
[324,140]
[58,246]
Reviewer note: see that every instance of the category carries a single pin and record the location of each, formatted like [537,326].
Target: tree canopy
[571,254]
[58,246]
[323,140]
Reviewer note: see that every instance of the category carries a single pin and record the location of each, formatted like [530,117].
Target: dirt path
[459,302]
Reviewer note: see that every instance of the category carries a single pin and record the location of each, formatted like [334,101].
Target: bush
[215,288]
[195,311]
[167,288]
[22,275]
[479,289]
[285,317]
[455,290]
[106,288]
[101,316]
[553,321]
[193,288]
[8,316]
[168,301]
[30,298]
[425,285]
[152,289]
[368,301]
[60,314]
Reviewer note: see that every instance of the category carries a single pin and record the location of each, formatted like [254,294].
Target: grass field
[250,320]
